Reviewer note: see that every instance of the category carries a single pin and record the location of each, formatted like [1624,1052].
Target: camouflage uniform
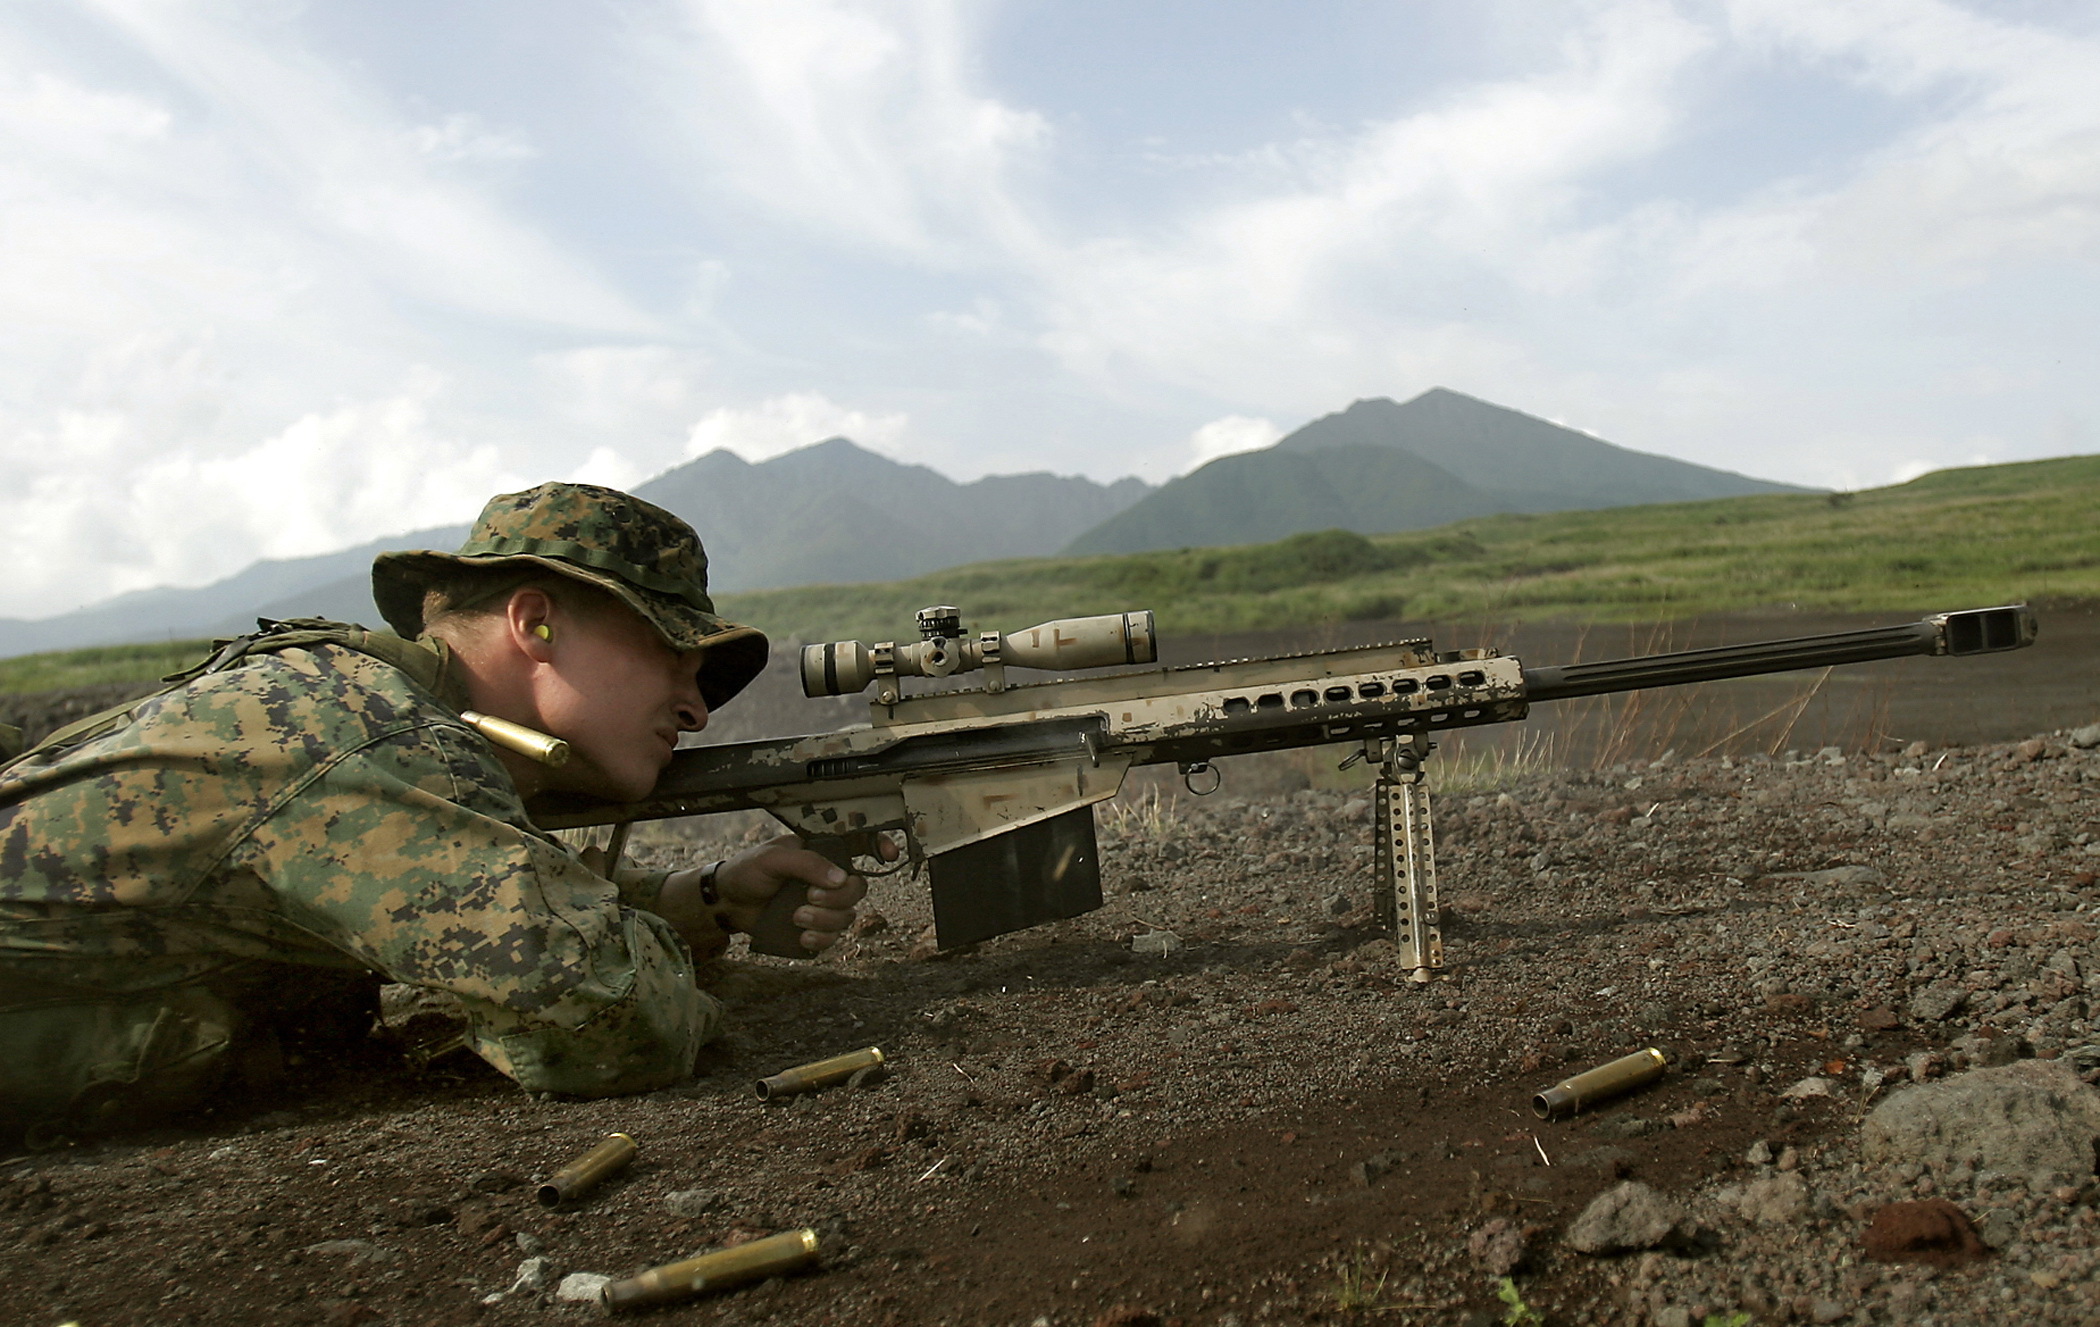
[310,811]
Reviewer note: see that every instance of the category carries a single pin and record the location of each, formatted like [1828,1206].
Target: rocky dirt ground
[1267,1123]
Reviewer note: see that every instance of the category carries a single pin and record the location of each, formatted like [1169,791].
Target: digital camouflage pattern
[324,808]
[646,557]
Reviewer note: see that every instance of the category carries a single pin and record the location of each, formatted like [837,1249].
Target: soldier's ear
[527,619]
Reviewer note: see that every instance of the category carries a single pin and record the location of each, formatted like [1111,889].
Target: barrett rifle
[993,786]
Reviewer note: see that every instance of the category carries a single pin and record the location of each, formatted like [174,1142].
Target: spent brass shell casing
[755,1261]
[549,751]
[822,1073]
[588,1171]
[1602,1083]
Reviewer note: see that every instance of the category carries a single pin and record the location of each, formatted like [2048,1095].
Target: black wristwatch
[709,895]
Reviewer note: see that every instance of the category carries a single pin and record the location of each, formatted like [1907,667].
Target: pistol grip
[776,932]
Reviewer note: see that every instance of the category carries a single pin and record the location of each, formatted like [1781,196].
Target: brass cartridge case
[1602,1083]
[588,1171]
[549,751]
[821,1073]
[755,1261]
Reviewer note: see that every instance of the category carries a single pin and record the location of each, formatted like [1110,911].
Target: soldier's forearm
[702,923]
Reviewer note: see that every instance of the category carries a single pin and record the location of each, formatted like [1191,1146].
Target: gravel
[1275,1124]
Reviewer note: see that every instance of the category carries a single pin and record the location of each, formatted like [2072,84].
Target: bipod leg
[1406,885]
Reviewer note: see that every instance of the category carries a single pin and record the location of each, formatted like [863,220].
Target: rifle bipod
[1405,888]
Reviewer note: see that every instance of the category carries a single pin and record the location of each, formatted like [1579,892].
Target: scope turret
[842,668]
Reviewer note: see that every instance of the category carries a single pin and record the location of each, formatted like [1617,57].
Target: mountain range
[1381,466]
[837,513]
[830,512]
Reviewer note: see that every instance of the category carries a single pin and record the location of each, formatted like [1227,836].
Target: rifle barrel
[1970,631]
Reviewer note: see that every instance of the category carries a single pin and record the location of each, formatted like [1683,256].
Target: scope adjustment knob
[940,622]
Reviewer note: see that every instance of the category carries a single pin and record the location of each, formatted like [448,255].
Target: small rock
[1078,1083]
[1124,1315]
[1780,1198]
[1760,1153]
[530,1244]
[1881,1019]
[2086,738]
[1368,1171]
[533,1274]
[1628,1217]
[1806,1088]
[1826,1310]
[2083,1059]
[582,1288]
[495,1181]
[1937,1002]
[1999,1227]
[356,1250]
[1337,903]
[873,1075]
[688,1203]
[1624,1126]
[2030,1117]
[1837,877]
[1932,1231]
[1500,1247]
[1155,942]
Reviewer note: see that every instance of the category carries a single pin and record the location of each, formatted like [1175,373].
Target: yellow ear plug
[543,631]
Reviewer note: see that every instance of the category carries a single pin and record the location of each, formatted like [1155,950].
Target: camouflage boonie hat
[635,551]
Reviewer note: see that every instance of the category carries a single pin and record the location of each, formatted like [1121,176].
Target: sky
[277,278]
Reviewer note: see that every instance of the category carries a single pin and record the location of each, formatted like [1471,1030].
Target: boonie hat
[642,555]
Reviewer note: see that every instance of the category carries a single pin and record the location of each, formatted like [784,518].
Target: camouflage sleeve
[639,888]
[406,855]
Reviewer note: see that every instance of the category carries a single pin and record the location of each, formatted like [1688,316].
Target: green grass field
[1953,538]
[103,663]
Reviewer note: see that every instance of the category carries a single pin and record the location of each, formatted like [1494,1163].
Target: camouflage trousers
[75,1061]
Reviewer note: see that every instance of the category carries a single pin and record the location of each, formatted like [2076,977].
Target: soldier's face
[620,697]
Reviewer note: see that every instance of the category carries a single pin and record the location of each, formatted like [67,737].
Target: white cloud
[288,139]
[859,121]
[1228,436]
[785,423]
[463,136]
[1474,202]
[231,245]
[2004,164]
[222,280]
[99,507]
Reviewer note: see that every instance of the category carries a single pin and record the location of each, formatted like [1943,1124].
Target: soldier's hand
[748,881]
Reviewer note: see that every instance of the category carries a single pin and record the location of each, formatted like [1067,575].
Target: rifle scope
[844,667]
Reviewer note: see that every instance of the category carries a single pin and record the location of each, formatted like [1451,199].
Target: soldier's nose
[692,715]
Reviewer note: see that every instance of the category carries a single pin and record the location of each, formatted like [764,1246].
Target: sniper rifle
[993,786]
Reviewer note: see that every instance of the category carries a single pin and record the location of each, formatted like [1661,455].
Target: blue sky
[282,277]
